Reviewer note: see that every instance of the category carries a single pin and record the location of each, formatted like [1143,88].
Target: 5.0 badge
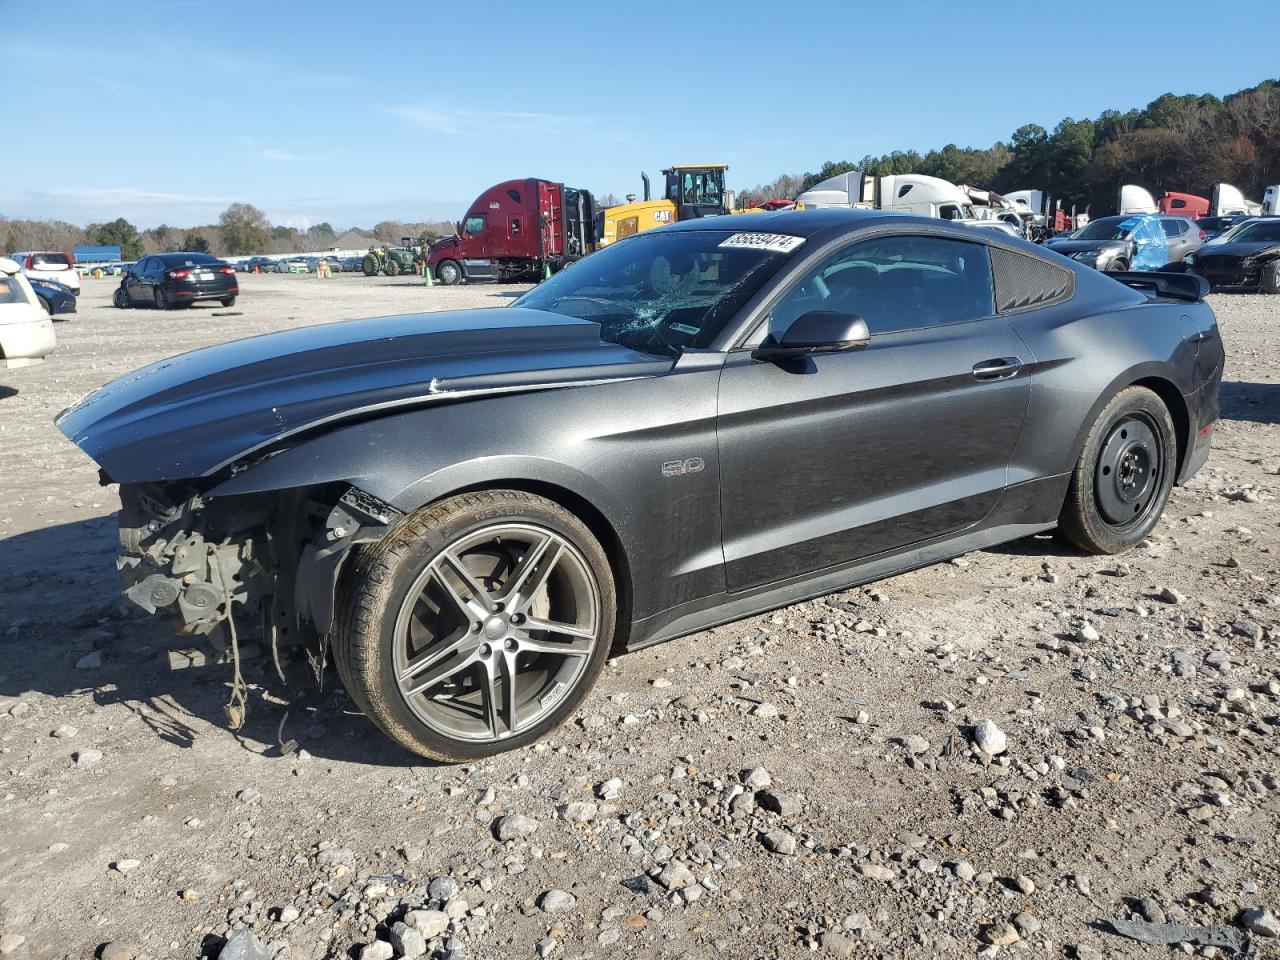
[678,468]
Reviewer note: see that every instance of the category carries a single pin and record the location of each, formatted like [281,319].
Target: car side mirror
[818,331]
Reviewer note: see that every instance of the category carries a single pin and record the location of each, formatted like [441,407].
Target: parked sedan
[1246,258]
[696,424]
[1215,227]
[26,331]
[292,265]
[261,264]
[1143,241]
[57,299]
[168,280]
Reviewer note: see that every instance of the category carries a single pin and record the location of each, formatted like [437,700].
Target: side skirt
[727,608]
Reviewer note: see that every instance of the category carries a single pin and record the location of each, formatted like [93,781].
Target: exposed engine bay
[198,560]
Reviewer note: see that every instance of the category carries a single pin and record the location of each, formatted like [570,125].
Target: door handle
[1001,368]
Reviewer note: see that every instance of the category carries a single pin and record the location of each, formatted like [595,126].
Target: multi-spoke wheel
[478,626]
[1123,477]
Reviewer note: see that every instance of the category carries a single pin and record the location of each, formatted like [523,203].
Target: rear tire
[1270,278]
[228,301]
[426,667]
[162,301]
[1121,482]
[370,266]
[449,272]
[393,268]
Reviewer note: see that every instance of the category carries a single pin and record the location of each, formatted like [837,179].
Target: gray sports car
[470,510]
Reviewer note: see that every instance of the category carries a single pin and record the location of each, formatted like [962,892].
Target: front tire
[393,268]
[1116,266]
[120,298]
[1271,278]
[449,273]
[477,626]
[370,266]
[1123,477]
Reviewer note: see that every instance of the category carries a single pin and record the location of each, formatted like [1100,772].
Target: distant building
[97,254]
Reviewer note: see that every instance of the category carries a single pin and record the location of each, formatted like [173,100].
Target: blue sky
[168,110]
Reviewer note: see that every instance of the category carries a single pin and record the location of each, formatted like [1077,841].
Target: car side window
[1170,228]
[894,283]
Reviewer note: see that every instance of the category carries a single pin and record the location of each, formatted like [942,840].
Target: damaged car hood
[194,414]
[1241,249]
[1068,247]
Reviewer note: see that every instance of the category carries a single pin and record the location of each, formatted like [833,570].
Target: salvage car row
[1244,256]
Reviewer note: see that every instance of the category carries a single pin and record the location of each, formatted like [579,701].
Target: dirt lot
[1141,775]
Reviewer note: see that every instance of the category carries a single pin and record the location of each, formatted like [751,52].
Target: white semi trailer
[902,193]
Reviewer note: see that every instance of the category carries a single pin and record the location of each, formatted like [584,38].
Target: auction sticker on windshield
[772,242]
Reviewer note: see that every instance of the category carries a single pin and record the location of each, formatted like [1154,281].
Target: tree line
[1183,143]
[242,229]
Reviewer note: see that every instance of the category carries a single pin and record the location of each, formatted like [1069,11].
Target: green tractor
[392,261]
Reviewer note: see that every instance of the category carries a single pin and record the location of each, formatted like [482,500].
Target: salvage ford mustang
[469,510]
[1247,257]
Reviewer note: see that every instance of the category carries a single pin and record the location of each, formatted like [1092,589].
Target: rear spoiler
[1178,286]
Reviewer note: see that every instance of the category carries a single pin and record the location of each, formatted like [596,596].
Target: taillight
[179,274]
[225,270]
[1203,235]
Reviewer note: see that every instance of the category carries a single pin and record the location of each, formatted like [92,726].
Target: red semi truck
[516,230]
[1183,205]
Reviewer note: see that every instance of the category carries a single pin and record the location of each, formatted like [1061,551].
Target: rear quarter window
[1024,283]
[11,291]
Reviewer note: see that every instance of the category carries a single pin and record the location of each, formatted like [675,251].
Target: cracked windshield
[662,293]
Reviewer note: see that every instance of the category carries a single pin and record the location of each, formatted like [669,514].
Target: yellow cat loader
[692,190]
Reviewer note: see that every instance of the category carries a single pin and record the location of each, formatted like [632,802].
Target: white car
[49,265]
[26,331]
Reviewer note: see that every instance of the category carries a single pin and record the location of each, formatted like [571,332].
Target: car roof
[179,257]
[798,223]
[831,223]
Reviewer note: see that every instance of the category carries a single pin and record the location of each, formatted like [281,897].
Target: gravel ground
[806,780]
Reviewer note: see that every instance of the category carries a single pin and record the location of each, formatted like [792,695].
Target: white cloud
[472,122]
[279,156]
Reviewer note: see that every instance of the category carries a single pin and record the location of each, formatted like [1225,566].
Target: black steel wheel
[477,626]
[1124,474]
[1270,280]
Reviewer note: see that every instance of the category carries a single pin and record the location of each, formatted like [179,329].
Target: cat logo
[678,468]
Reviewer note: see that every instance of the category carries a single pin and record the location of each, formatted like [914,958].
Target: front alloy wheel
[478,625]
